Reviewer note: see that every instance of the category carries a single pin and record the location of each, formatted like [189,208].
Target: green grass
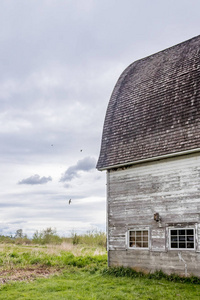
[159,274]
[76,284]
[15,256]
[80,272]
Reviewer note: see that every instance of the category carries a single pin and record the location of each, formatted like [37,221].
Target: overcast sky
[60,60]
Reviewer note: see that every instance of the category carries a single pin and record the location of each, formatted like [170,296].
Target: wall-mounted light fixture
[157,217]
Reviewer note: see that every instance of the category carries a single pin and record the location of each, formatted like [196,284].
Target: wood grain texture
[170,187]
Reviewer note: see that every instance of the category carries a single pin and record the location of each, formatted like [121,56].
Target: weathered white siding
[170,187]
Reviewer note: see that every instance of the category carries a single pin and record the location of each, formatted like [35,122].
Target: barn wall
[170,187]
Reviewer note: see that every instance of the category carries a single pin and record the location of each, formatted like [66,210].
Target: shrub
[75,239]
[92,238]
[46,236]
[7,239]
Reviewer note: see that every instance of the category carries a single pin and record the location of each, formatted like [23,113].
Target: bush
[46,236]
[75,239]
[7,239]
[92,238]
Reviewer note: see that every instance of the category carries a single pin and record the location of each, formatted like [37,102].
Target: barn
[151,153]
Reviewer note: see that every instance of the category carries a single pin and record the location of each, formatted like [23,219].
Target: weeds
[157,275]
[92,238]
[49,236]
[78,266]
[75,272]
[88,283]
[46,236]
[21,256]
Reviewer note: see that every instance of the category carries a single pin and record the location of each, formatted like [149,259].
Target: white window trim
[138,229]
[182,228]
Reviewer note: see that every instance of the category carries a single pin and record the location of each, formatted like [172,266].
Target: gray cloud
[86,164]
[35,179]
[59,64]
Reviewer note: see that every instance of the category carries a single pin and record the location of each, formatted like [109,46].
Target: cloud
[86,164]
[35,179]
[59,64]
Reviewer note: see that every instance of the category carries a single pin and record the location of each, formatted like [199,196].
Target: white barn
[151,152]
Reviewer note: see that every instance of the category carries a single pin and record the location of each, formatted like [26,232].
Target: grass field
[77,284]
[79,271]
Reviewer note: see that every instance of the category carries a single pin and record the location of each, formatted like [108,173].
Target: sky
[60,60]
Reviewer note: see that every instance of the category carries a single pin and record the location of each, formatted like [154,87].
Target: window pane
[182,238]
[190,232]
[138,239]
[181,232]
[174,245]
[190,245]
[173,232]
[182,245]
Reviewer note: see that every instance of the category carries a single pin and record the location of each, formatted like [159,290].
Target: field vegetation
[52,267]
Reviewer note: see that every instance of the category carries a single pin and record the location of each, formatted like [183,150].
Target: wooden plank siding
[170,187]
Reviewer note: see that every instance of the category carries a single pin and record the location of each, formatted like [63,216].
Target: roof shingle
[154,109]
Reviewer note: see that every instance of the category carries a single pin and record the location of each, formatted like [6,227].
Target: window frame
[138,248]
[182,228]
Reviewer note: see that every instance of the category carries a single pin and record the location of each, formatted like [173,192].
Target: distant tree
[37,237]
[19,234]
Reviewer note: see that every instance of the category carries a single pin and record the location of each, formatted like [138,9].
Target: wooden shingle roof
[154,109]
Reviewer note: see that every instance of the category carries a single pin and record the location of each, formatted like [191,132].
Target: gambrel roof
[154,109]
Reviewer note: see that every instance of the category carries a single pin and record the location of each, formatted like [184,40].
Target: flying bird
[70,200]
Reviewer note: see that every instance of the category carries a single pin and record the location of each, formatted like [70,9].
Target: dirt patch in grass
[27,274]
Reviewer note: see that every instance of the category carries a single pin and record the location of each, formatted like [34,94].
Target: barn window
[138,239]
[182,238]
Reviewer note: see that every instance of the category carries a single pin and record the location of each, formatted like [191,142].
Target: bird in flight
[70,200]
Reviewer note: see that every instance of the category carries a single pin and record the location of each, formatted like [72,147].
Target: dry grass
[77,277]
[27,262]
[27,274]
[53,249]
[77,250]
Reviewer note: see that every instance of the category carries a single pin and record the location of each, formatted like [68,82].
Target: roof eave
[169,155]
